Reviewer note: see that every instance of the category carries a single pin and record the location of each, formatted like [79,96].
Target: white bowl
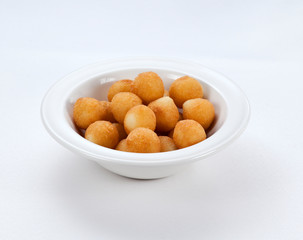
[231,106]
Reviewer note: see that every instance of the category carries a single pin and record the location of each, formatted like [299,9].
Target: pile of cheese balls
[141,116]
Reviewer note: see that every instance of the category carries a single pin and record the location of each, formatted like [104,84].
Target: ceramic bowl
[231,107]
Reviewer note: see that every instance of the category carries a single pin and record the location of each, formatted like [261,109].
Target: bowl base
[144,172]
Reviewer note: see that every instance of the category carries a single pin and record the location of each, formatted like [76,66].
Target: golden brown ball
[143,140]
[119,86]
[167,144]
[148,86]
[171,133]
[185,88]
[102,133]
[166,93]
[200,110]
[166,112]
[121,131]
[108,113]
[180,116]
[122,146]
[187,133]
[87,111]
[122,102]
[139,116]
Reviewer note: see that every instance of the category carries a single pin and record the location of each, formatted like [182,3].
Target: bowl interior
[97,87]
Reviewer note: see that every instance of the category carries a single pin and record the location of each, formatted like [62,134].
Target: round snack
[187,133]
[108,113]
[143,140]
[166,112]
[200,110]
[122,102]
[166,93]
[148,86]
[139,116]
[120,86]
[180,116]
[171,133]
[121,131]
[102,133]
[167,144]
[87,111]
[185,88]
[122,146]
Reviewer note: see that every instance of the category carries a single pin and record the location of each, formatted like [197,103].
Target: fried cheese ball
[108,114]
[122,102]
[87,111]
[200,110]
[122,146]
[171,133]
[180,116]
[166,93]
[102,133]
[148,86]
[121,131]
[119,86]
[139,116]
[185,88]
[167,144]
[166,112]
[187,133]
[143,140]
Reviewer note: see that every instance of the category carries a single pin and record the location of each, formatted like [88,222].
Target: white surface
[231,104]
[251,190]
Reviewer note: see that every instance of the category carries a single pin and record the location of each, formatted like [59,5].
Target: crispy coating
[121,131]
[187,133]
[119,86]
[143,140]
[108,114]
[166,93]
[122,102]
[185,88]
[87,111]
[166,112]
[122,146]
[167,144]
[139,116]
[200,110]
[102,133]
[148,86]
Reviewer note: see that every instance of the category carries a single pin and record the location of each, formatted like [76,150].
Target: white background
[251,190]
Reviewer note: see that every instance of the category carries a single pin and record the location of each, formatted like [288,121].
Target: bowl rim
[231,129]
